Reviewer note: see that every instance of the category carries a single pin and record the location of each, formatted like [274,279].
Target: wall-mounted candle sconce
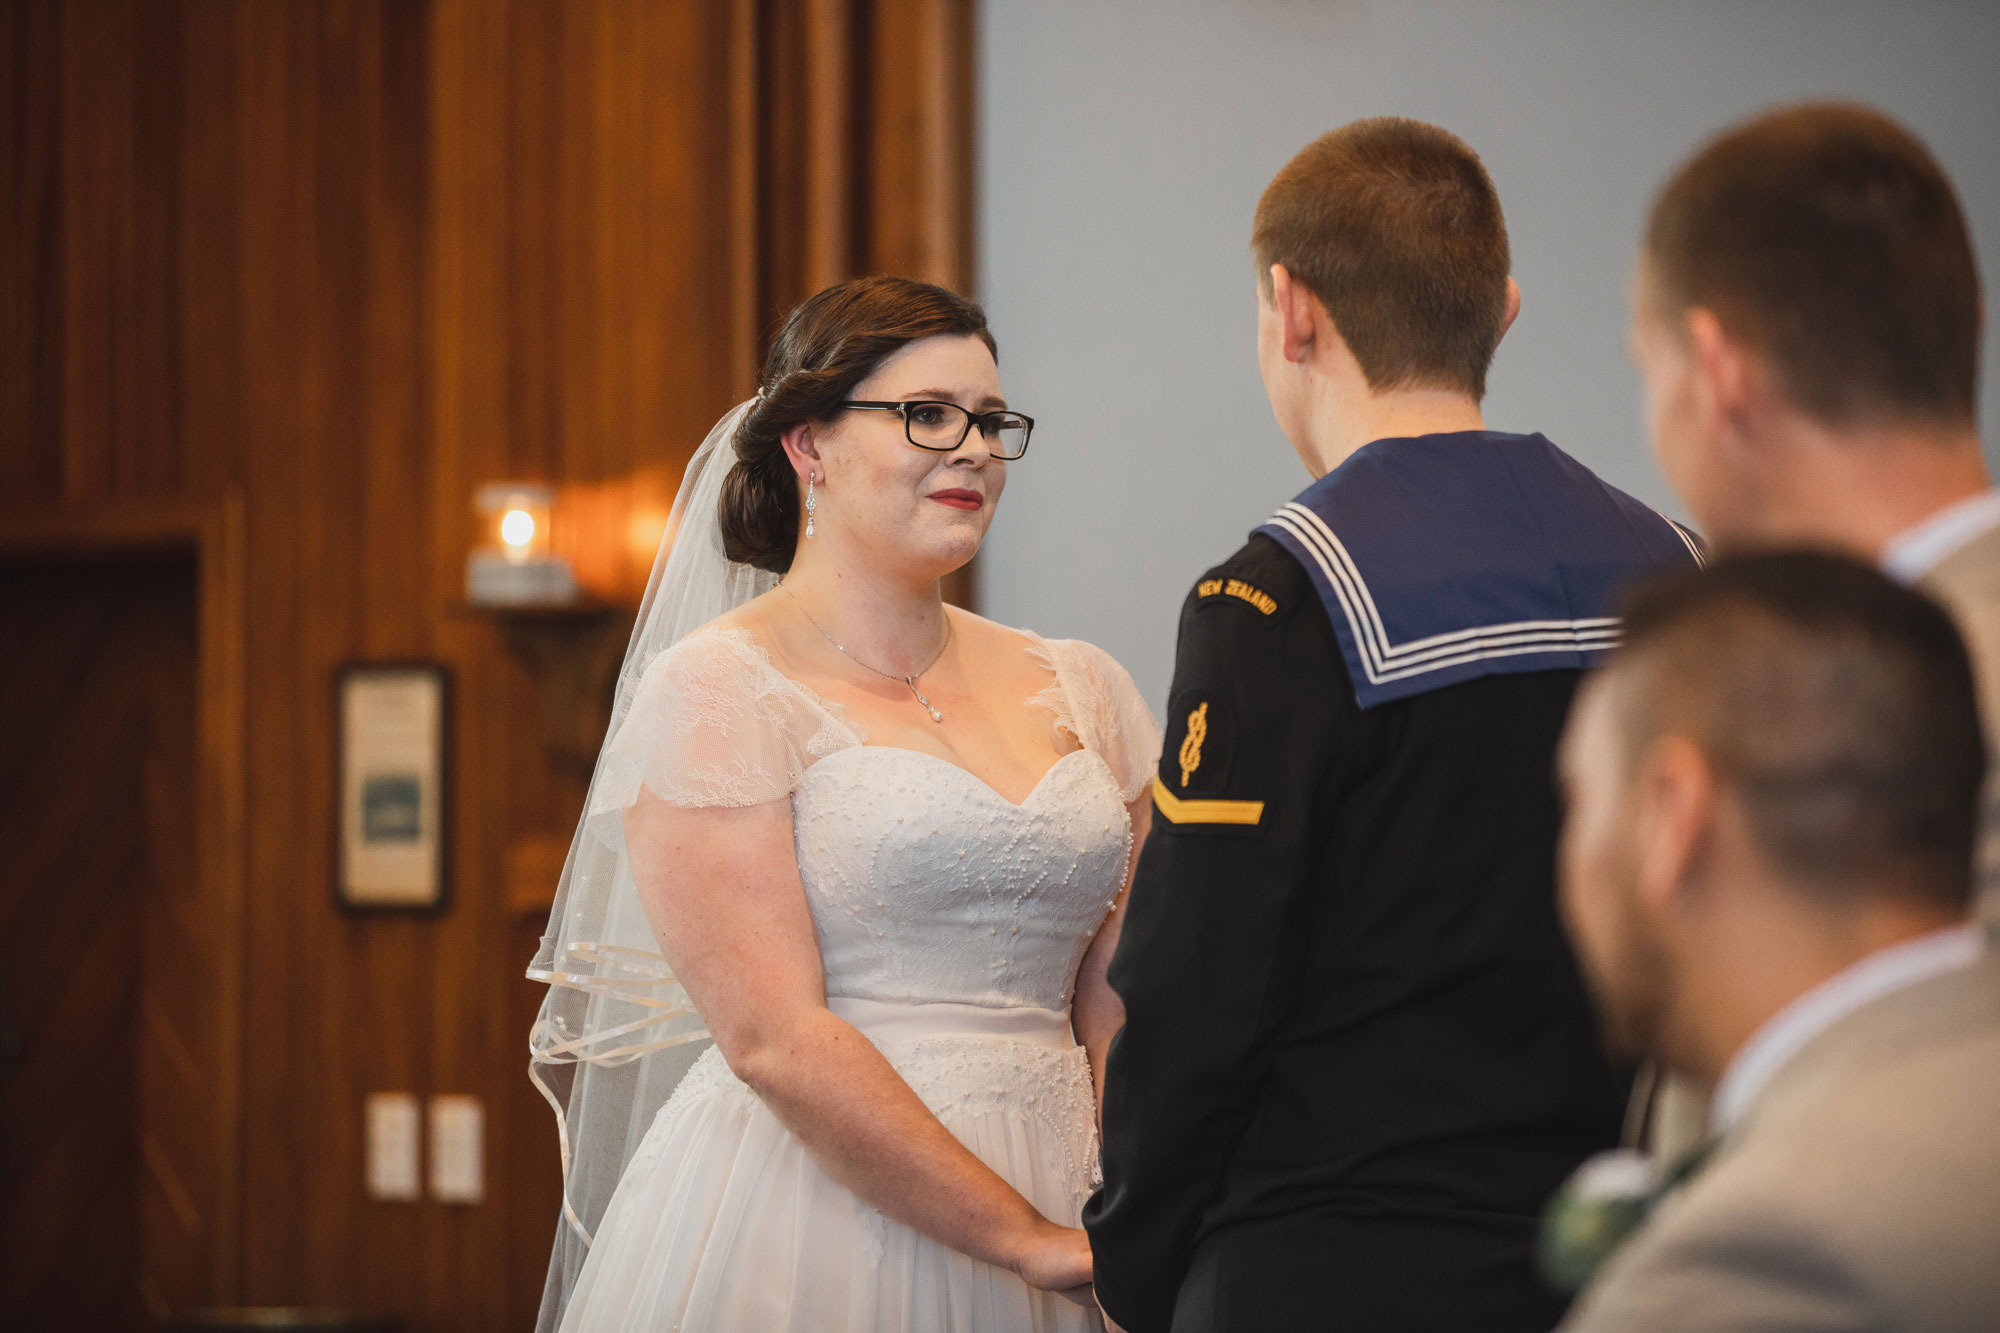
[559,572]
[512,565]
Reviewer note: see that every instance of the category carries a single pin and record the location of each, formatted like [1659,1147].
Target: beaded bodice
[926,884]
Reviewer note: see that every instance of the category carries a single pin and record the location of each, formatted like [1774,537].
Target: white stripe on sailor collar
[1384,662]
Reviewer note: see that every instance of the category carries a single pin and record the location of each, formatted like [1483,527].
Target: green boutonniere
[1600,1206]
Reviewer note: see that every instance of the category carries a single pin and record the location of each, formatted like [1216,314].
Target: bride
[875,847]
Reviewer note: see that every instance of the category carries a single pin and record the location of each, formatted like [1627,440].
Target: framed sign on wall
[392,733]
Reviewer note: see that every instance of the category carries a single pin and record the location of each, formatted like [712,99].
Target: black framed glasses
[942,427]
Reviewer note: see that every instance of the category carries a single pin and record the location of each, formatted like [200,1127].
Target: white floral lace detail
[925,884]
[874,1236]
[715,723]
[954,1074]
[1096,704]
[709,1076]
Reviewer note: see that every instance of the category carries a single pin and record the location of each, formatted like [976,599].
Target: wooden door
[97,759]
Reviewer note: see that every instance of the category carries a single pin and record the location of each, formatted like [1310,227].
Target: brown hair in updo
[828,345]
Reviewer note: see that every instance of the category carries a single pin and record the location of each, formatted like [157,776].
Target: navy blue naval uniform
[1357,1056]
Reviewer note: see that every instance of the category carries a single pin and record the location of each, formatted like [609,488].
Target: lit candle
[517,530]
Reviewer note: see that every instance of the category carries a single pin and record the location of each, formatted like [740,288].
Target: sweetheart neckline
[999,795]
[838,712]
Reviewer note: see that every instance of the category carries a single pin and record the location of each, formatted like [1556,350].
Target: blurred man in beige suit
[1807,323]
[1767,868]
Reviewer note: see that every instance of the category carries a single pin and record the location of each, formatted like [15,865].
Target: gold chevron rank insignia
[1239,814]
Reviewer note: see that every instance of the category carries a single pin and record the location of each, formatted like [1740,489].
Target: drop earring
[812,502]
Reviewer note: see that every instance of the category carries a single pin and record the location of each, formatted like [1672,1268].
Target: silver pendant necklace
[909,681]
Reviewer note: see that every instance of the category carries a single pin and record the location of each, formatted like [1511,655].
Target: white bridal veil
[616,1031]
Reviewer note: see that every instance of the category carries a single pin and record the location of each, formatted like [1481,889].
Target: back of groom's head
[1827,236]
[1396,227]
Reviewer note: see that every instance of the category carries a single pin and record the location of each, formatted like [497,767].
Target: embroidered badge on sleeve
[1197,732]
[1199,747]
[1243,592]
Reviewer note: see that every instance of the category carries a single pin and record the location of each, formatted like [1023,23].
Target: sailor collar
[1444,558]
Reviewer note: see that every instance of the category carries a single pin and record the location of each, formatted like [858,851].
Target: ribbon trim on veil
[595,947]
[546,1045]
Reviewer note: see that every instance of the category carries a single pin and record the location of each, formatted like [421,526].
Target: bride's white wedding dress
[952,922]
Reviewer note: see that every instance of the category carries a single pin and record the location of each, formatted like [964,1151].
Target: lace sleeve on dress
[712,723]
[1095,701]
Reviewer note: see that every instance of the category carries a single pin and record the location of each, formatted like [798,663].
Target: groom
[1357,1057]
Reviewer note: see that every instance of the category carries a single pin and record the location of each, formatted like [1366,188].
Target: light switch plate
[393,1130]
[458,1132]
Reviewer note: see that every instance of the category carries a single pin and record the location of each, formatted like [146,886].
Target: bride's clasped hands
[882,844]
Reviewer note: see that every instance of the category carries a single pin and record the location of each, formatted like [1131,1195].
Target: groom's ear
[1512,310]
[1299,314]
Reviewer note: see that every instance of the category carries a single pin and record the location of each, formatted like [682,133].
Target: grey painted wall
[1123,144]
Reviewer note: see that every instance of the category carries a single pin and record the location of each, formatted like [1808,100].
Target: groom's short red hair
[1396,227]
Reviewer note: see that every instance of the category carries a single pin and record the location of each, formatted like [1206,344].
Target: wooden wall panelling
[176,976]
[370,522]
[495,403]
[189,973]
[93,117]
[745,196]
[813,65]
[222,831]
[778,103]
[834,67]
[920,176]
[210,293]
[120,339]
[480,403]
[581,94]
[348,259]
[331,198]
[866,144]
[583,186]
[95,405]
[31,381]
[297,1139]
[98,698]
[191,984]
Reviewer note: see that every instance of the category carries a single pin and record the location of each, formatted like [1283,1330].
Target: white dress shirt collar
[1917,550]
[1788,1030]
